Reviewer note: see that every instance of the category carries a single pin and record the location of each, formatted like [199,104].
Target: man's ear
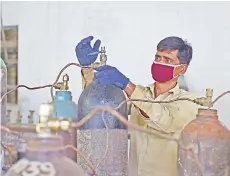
[183,69]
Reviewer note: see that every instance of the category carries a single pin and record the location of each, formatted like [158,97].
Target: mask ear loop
[175,66]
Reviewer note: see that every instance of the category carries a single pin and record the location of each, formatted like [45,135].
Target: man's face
[171,57]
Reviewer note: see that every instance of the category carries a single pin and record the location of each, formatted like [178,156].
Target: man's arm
[83,51]
[87,77]
[129,91]
[162,116]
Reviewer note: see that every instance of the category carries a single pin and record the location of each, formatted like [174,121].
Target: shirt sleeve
[165,117]
[129,105]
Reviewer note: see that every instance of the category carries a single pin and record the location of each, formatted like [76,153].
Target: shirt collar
[173,90]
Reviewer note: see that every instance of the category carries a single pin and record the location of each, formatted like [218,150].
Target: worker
[150,155]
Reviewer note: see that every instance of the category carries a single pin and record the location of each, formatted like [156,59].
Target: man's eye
[169,61]
[157,58]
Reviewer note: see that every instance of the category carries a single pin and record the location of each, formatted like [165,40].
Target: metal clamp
[103,59]
[205,101]
[64,85]
[54,125]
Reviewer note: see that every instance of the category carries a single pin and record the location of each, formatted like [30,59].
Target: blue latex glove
[84,48]
[108,75]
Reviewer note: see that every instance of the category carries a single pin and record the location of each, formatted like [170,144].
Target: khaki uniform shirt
[151,155]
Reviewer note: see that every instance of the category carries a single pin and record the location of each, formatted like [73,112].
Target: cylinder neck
[45,147]
[43,155]
[207,113]
[63,96]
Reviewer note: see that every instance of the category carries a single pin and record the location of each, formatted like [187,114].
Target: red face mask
[162,72]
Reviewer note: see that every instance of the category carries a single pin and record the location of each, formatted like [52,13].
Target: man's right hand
[84,49]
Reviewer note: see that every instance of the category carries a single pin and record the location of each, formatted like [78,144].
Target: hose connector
[54,125]
[205,101]
[47,123]
[64,85]
[103,59]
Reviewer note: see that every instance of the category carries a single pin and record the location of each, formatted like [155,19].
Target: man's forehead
[168,53]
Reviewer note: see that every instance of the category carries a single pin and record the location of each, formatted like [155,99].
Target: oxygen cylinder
[209,140]
[66,108]
[3,117]
[45,153]
[103,138]
[3,90]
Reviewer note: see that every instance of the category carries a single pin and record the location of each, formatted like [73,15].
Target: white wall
[49,31]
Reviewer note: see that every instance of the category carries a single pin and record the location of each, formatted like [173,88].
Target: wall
[49,31]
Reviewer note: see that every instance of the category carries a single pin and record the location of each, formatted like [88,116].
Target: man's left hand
[108,75]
